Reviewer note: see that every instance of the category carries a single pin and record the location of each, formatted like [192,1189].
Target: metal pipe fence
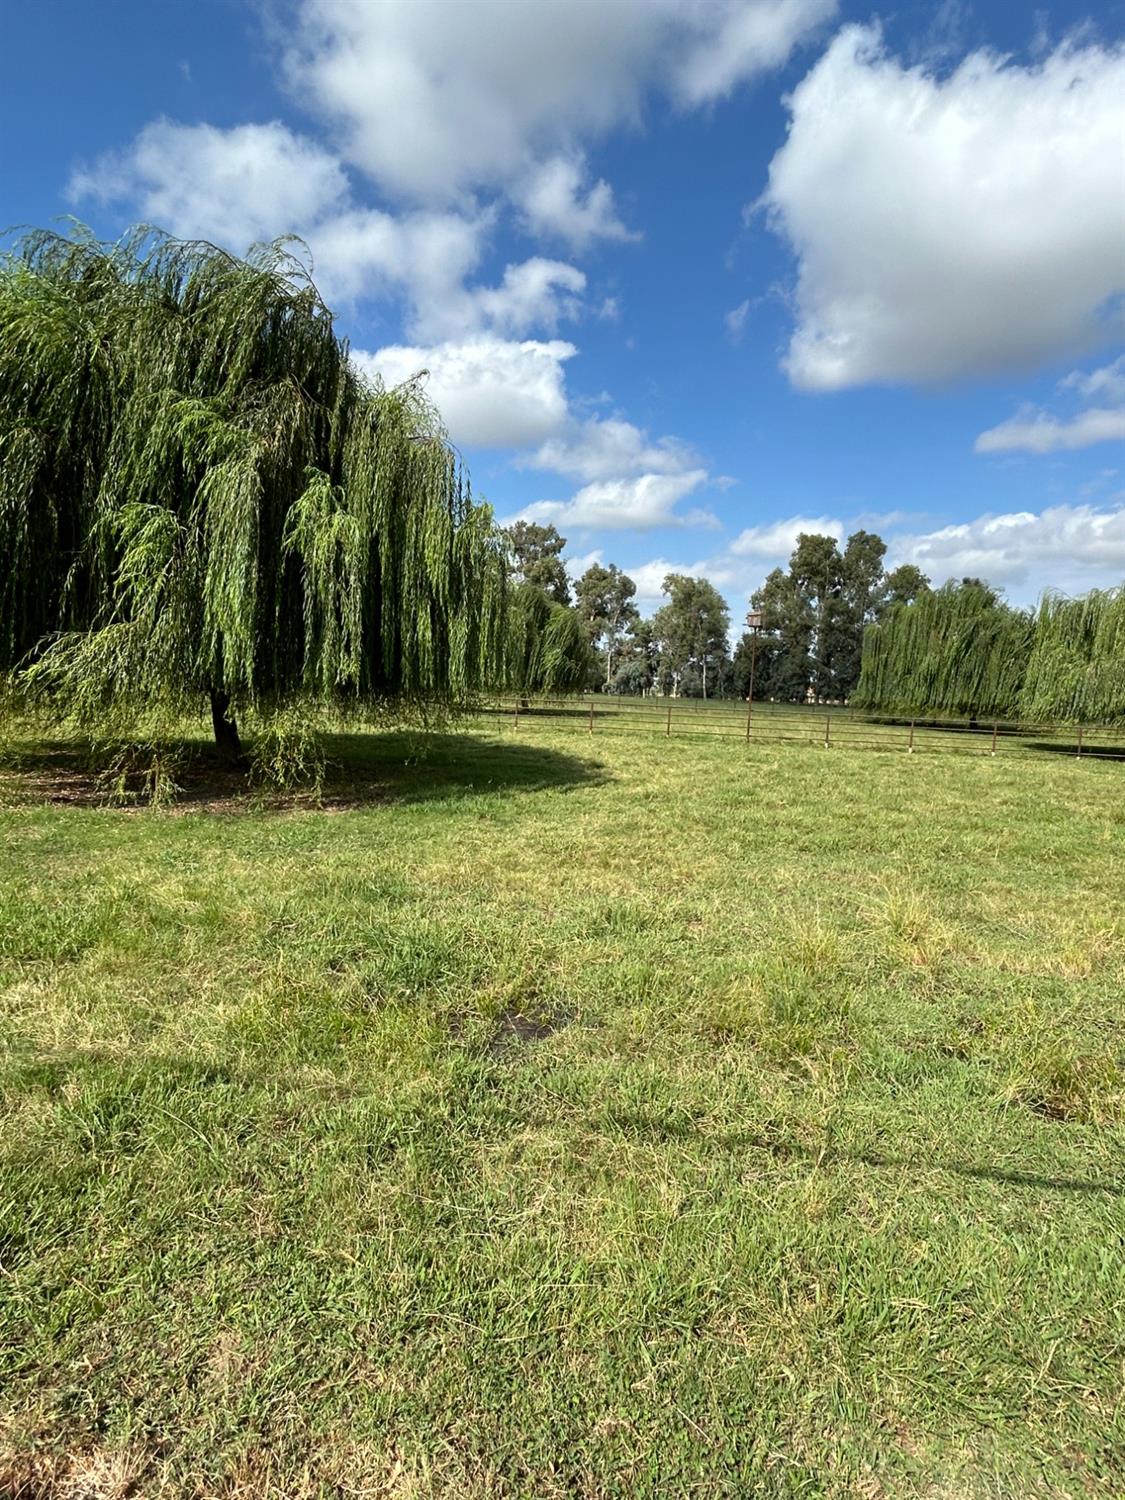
[831,726]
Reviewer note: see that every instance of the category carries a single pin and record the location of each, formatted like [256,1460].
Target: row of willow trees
[202,501]
[962,651]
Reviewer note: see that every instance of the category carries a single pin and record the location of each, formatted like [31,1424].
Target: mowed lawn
[556,1115]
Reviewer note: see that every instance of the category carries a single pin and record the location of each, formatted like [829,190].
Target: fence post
[668,728]
[910,746]
[591,715]
[517,723]
[827,729]
[994,736]
[1080,739]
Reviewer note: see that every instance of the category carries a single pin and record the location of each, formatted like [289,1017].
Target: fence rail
[830,726]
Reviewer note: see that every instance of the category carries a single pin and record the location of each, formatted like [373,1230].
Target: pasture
[547,1115]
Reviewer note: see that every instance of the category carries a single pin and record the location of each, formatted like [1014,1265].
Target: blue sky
[688,278]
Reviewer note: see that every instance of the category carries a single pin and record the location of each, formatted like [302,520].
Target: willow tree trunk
[226,730]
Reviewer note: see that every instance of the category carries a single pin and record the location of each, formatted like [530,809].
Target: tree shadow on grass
[1070,747]
[782,1150]
[411,767]
[362,770]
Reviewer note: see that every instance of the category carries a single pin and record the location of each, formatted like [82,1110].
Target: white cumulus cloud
[577,565]
[649,576]
[1106,383]
[491,392]
[536,293]
[748,39]
[424,255]
[1072,547]
[556,202]
[255,182]
[432,98]
[236,186]
[605,447]
[775,540]
[633,503]
[735,579]
[1034,431]
[632,481]
[954,225]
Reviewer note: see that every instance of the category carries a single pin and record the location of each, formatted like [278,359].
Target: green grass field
[549,1115]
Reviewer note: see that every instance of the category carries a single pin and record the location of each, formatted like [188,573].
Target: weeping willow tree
[1076,671]
[547,649]
[958,650]
[201,500]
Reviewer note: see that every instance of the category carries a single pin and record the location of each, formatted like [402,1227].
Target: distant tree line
[810,643]
[836,626]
